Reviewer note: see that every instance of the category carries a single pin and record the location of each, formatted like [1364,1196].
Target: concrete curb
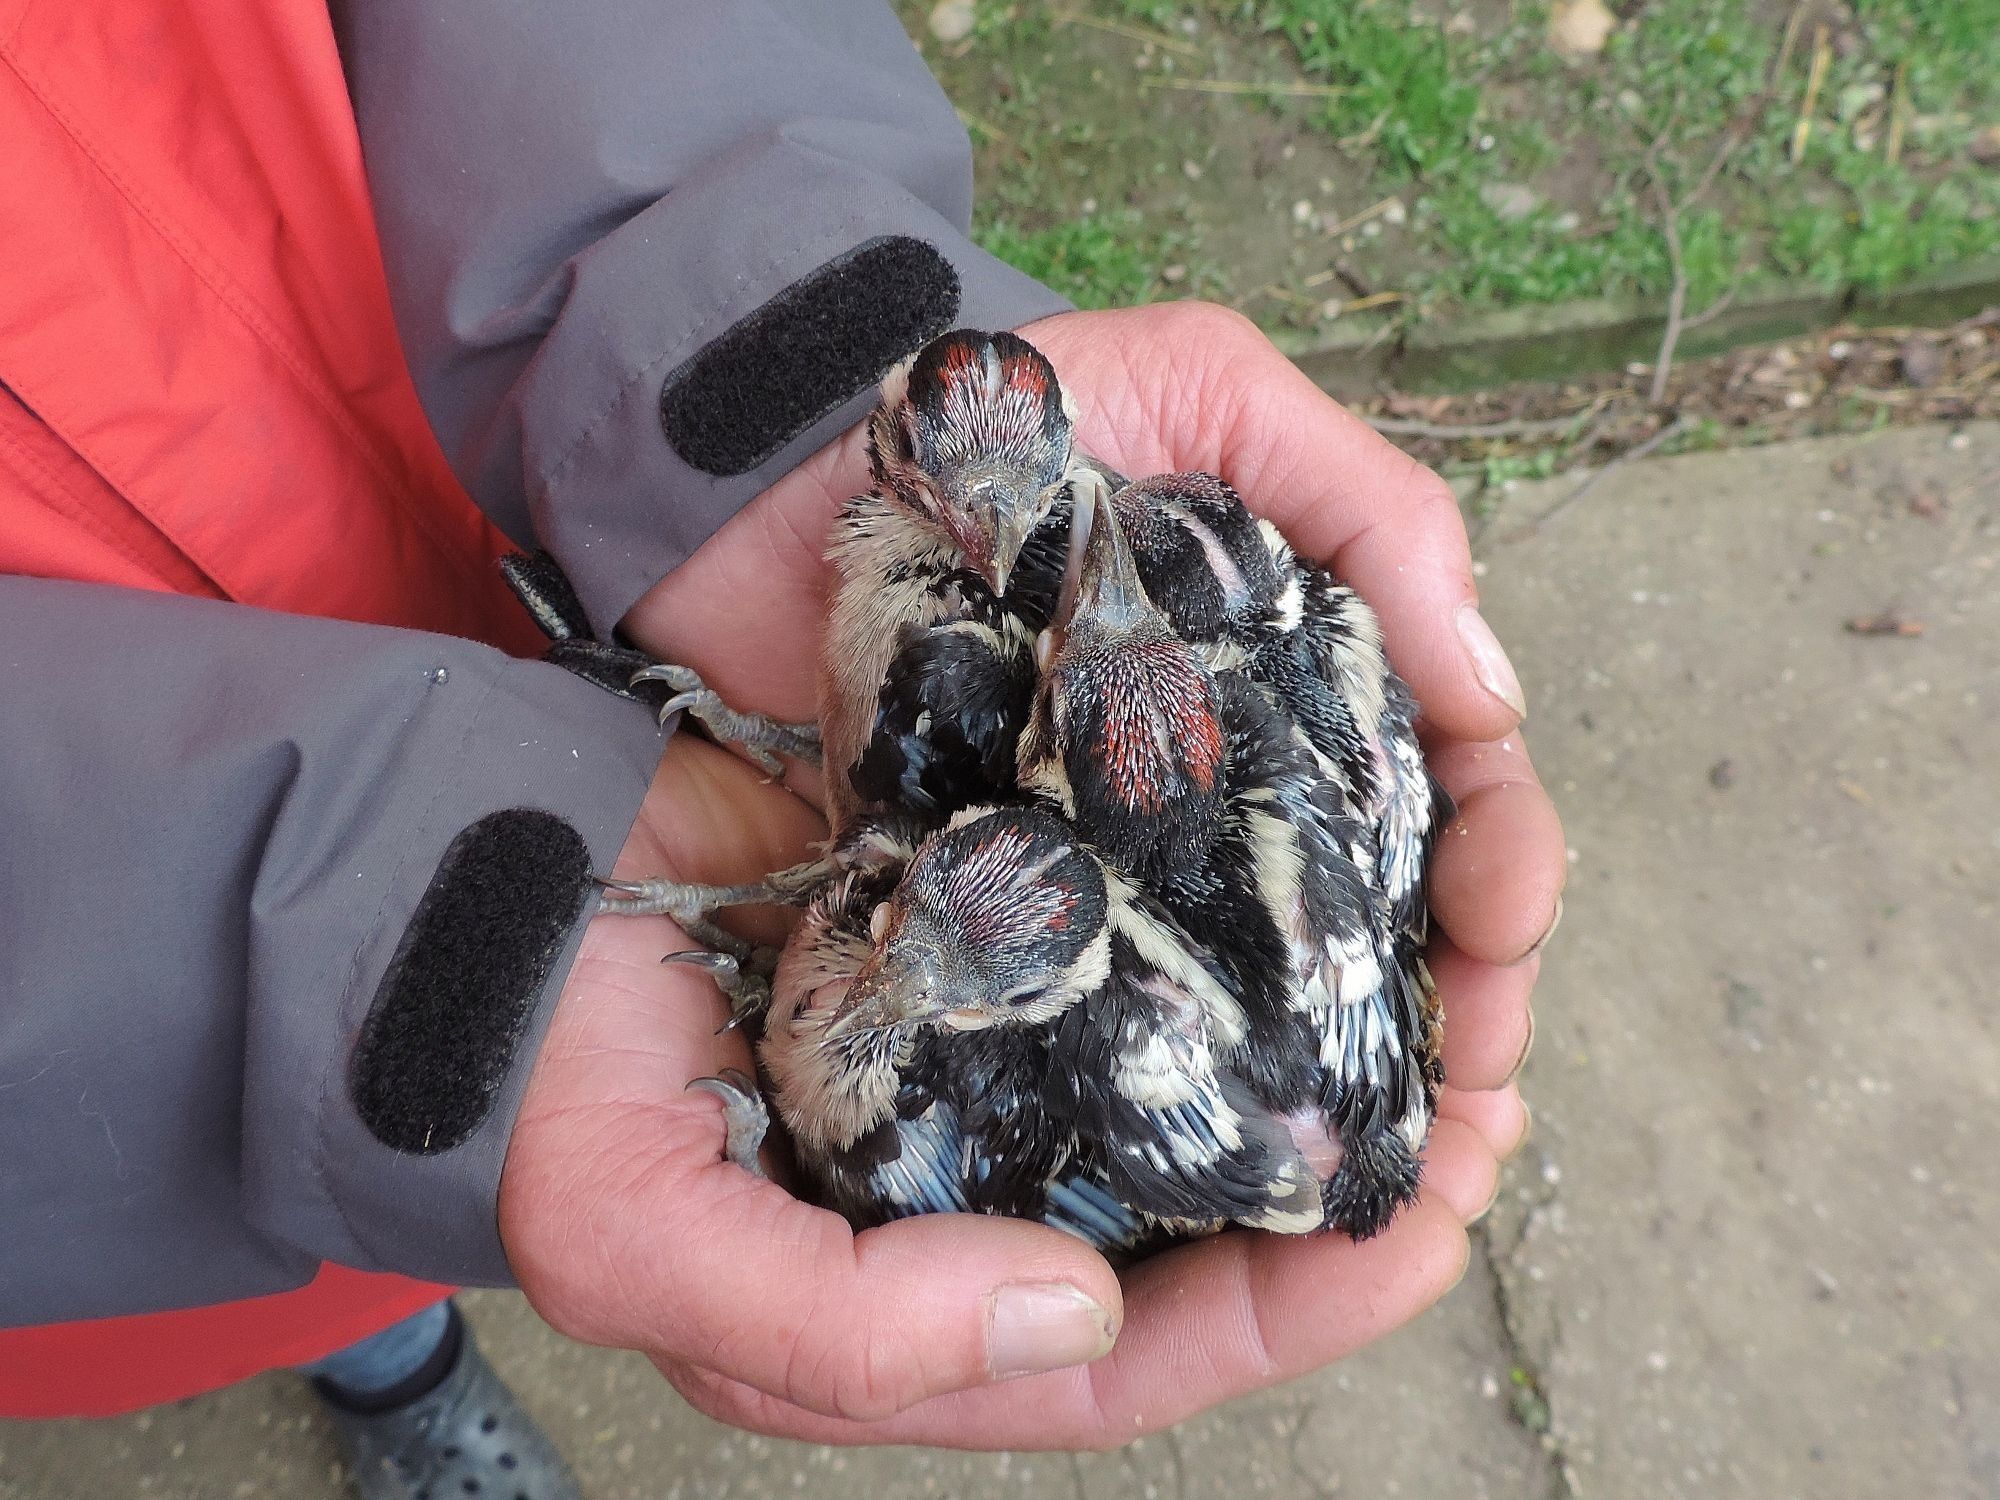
[1574,338]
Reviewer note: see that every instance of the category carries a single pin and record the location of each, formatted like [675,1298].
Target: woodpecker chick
[1233,586]
[1012,1031]
[1208,795]
[893,1112]
[971,452]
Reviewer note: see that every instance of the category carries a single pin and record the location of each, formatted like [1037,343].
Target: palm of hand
[626,1228]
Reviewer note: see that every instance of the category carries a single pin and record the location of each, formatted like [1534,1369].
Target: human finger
[1487,1020]
[1500,1116]
[1203,1323]
[1499,866]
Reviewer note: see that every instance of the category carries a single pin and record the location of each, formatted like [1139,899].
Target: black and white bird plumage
[1012,1029]
[950,707]
[971,449]
[1208,795]
[1233,586]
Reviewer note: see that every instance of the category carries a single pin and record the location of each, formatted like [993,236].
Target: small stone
[1566,222]
[1985,147]
[1191,169]
[1797,400]
[1173,275]
[1722,775]
[1958,442]
[1302,211]
[1489,1386]
[1088,206]
[1656,1361]
[952,20]
[1395,214]
[1921,362]
[1510,201]
[1330,309]
[1579,28]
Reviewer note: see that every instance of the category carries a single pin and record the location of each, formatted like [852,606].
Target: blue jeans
[387,1358]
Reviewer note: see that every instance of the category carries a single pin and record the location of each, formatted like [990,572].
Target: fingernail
[1036,1326]
[1489,662]
[1526,1047]
[1527,1126]
[1555,921]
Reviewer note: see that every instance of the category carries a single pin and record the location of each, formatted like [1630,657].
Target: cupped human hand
[626,1227]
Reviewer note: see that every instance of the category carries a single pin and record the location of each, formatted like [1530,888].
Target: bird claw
[688,905]
[691,905]
[745,1117]
[749,993]
[761,739]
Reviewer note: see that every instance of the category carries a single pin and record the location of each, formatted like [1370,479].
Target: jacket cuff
[378,1124]
[619,503]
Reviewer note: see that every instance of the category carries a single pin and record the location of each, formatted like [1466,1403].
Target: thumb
[786,1298]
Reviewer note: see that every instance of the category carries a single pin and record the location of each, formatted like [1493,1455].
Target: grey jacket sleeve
[575,200]
[215,824]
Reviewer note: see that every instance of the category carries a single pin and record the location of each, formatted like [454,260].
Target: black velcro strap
[442,1033]
[800,355]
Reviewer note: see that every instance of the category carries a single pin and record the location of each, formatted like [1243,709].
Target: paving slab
[1753,1247]
[1766,1258]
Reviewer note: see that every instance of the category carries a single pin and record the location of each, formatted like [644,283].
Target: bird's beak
[1102,579]
[1013,523]
[1088,491]
[891,990]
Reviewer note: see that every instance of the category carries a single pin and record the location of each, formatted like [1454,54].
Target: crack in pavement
[1179,1458]
[1311,1480]
[1529,1404]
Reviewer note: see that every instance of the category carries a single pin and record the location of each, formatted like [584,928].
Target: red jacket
[200,382]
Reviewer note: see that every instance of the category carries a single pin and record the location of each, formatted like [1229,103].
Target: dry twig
[1822,57]
[1460,431]
[1886,623]
[1355,221]
[1130,32]
[1233,86]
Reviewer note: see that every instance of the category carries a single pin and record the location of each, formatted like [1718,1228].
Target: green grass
[1099,168]
[1099,260]
[1405,82]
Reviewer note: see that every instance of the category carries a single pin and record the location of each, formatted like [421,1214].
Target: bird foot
[745,1117]
[691,905]
[762,739]
[748,990]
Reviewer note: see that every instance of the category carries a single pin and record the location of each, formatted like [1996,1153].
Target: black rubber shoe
[467,1438]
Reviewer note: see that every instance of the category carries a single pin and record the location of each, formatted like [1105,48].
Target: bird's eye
[878,923]
[1020,994]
